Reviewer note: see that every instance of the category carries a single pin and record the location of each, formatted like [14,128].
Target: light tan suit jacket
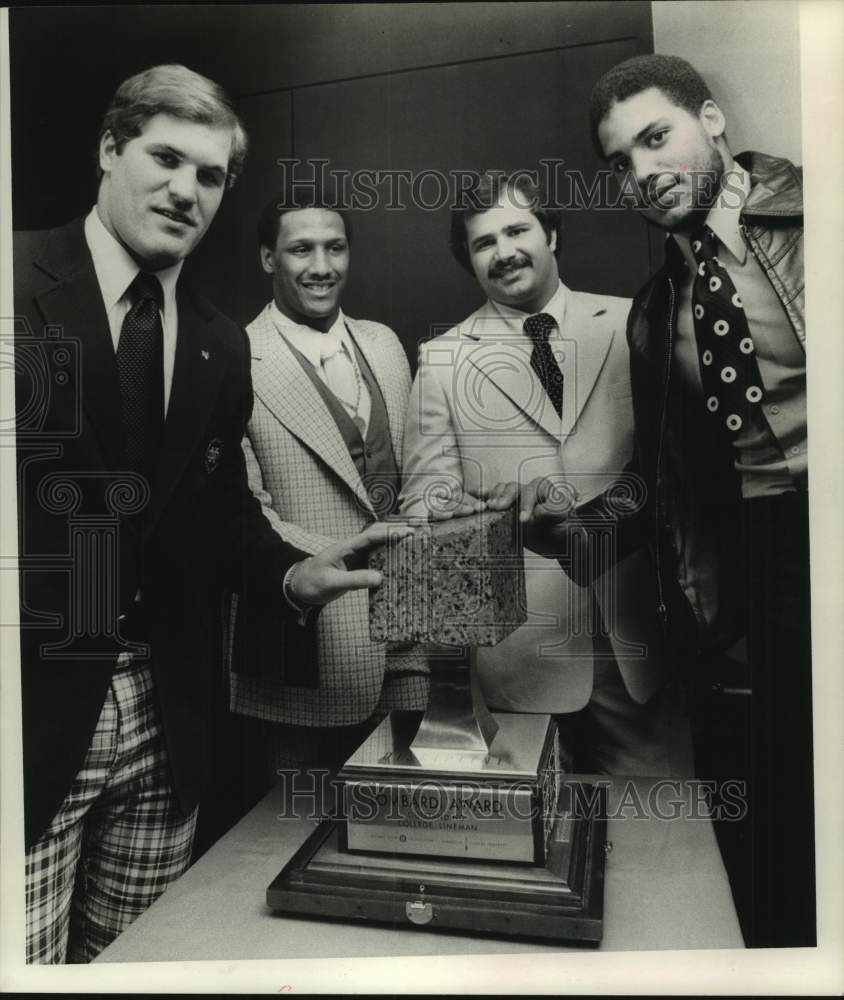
[478,416]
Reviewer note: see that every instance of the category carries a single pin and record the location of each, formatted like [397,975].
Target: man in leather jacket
[717,346]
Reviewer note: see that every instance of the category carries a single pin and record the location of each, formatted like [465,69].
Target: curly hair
[174,90]
[678,80]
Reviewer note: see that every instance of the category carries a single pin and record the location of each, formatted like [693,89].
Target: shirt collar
[116,269]
[306,339]
[515,318]
[724,218]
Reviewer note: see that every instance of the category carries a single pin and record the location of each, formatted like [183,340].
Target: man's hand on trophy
[462,503]
[501,496]
[459,504]
[338,568]
[546,506]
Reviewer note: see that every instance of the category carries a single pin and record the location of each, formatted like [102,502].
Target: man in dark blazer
[133,394]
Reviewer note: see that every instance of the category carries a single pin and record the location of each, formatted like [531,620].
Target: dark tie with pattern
[542,359]
[141,373]
[732,385]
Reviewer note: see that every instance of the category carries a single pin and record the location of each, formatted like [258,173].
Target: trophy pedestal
[525,860]
[455,820]
[489,805]
[560,900]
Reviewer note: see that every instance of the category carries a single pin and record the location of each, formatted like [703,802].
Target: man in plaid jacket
[323,453]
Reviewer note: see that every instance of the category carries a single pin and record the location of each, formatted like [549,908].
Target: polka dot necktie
[538,328]
[732,385]
[141,373]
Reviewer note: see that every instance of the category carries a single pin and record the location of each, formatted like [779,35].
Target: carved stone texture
[458,582]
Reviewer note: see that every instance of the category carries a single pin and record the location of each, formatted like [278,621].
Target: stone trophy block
[458,582]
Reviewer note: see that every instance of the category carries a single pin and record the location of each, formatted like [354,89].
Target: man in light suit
[535,383]
[323,451]
[134,514]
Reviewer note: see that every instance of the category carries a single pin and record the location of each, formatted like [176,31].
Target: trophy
[456,818]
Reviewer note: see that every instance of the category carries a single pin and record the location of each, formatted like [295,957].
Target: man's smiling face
[672,155]
[309,264]
[160,192]
[511,255]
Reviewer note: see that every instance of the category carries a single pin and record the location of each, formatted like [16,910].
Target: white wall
[748,51]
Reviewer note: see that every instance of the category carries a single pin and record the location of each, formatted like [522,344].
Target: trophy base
[496,805]
[561,900]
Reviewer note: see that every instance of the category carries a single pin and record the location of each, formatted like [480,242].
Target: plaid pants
[118,839]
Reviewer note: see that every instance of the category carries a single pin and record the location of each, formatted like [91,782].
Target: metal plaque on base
[498,805]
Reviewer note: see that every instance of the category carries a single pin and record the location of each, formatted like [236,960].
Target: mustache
[498,270]
[658,184]
[702,183]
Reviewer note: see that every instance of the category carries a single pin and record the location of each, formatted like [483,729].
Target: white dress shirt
[515,318]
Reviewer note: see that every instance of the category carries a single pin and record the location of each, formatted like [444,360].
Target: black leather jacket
[691,515]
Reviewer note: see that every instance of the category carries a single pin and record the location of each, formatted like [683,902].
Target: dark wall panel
[504,113]
[377,86]
[226,262]
[65,64]
[297,45]
[255,48]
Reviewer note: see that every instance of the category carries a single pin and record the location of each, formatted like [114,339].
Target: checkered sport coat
[300,469]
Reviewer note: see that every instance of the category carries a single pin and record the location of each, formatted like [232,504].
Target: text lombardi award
[458,819]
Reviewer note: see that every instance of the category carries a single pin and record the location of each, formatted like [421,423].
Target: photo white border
[760,972]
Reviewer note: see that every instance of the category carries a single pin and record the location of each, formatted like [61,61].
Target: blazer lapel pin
[213,453]
[205,355]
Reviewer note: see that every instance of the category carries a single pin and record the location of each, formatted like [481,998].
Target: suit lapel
[281,385]
[75,304]
[197,373]
[585,324]
[367,341]
[504,358]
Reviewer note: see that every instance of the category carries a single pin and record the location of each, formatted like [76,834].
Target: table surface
[665,888]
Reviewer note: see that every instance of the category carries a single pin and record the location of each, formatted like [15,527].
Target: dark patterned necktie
[732,385]
[141,373]
[542,359]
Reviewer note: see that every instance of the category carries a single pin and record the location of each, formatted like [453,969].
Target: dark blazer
[176,545]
